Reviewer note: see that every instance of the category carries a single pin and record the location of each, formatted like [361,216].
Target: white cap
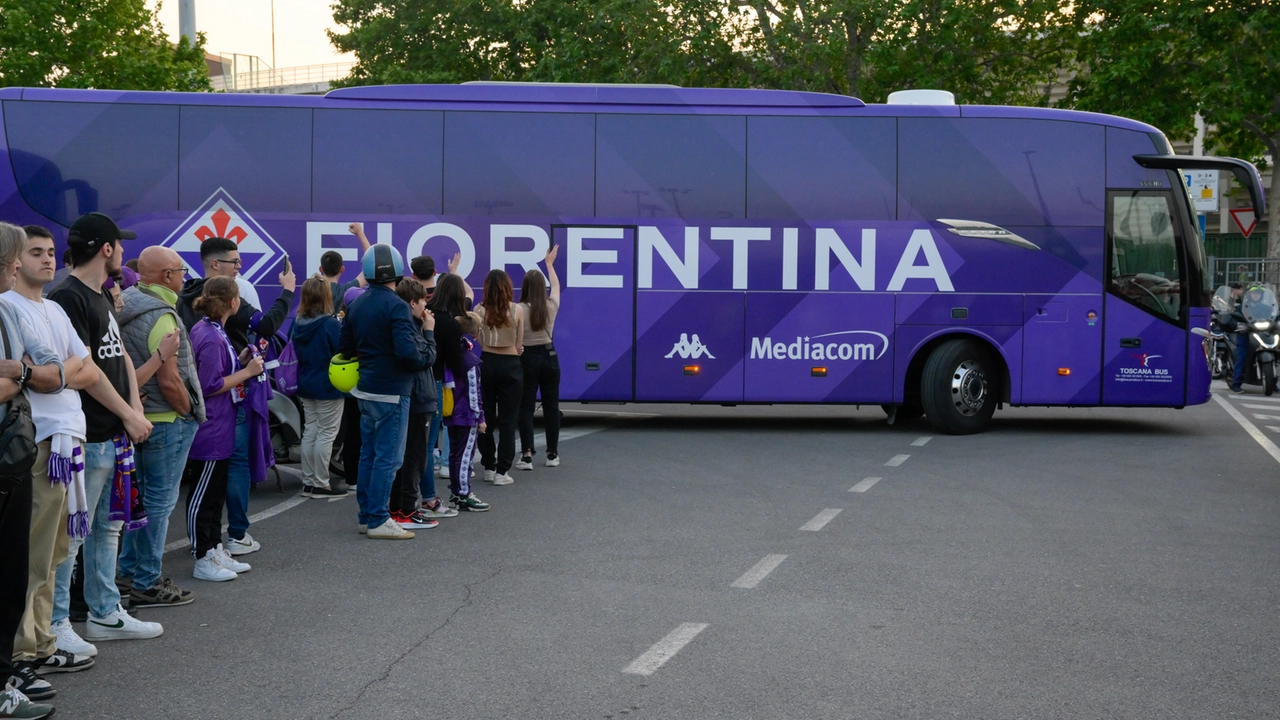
[922,97]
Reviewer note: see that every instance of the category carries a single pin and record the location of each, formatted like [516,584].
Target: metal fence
[1244,271]
[269,77]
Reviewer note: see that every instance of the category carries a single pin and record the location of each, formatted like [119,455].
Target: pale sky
[244,26]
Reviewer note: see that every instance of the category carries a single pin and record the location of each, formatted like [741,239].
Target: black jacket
[263,324]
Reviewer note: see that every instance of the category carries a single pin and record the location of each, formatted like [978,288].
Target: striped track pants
[205,500]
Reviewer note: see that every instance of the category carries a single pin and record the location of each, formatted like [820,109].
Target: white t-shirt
[58,412]
[248,293]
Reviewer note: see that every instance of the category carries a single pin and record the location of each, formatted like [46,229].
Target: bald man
[173,402]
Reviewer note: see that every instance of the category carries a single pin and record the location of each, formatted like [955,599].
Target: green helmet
[344,373]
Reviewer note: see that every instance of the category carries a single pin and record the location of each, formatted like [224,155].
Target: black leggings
[351,440]
[500,380]
[541,373]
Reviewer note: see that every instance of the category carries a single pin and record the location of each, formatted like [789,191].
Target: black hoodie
[264,324]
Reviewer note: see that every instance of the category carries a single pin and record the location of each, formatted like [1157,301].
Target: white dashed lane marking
[1250,428]
[821,519]
[665,649]
[865,485]
[921,441]
[759,572]
[1254,398]
[1266,417]
[897,460]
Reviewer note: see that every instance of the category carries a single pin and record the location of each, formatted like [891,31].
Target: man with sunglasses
[174,404]
[221,258]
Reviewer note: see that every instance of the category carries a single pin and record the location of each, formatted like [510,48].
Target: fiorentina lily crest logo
[222,216]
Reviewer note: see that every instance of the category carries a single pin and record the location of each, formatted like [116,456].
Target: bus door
[1145,338]
[595,328]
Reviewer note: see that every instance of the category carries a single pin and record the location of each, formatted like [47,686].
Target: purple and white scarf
[66,468]
[126,500]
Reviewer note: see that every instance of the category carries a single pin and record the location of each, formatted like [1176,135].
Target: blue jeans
[161,461]
[428,485]
[1244,356]
[100,548]
[238,482]
[384,428]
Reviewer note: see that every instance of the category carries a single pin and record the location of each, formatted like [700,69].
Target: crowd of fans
[138,380]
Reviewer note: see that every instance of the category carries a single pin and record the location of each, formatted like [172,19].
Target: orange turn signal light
[818,372]
[1064,371]
[691,369]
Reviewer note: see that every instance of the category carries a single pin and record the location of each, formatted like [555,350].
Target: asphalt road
[742,563]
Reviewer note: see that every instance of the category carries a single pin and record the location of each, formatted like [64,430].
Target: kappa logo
[111,346]
[222,216]
[1145,359]
[690,349]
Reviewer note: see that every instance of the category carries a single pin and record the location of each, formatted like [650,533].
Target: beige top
[506,340]
[534,338]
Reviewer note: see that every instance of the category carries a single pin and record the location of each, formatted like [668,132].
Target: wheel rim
[968,388]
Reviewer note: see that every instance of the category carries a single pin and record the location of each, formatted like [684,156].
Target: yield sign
[1245,219]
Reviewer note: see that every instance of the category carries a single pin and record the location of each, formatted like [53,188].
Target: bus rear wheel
[958,387]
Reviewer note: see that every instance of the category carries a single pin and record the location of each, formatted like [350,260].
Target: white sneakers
[489,475]
[524,463]
[119,625]
[226,561]
[243,546]
[71,642]
[389,530]
[553,461]
[503,479]
[442,469]
[218,566]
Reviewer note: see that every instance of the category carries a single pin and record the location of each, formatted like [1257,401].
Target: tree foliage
[984,51]
[400,41]
[1162,62]
[115,44]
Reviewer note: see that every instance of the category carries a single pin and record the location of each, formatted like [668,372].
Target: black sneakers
[468,503]
[61,661]
[324,492]
[26,681]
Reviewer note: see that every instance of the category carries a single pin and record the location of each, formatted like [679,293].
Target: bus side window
[384,161]
[71,158]
[1145,267]
[522,164]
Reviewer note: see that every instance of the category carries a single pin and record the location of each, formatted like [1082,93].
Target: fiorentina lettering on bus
[857,253]
[818,348]
[828,245]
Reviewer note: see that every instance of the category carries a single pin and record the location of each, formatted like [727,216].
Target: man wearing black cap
[113,416]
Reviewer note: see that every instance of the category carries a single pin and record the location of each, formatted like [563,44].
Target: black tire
[959,387]
[1268,378]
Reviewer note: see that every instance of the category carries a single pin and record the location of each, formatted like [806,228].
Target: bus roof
[569,97]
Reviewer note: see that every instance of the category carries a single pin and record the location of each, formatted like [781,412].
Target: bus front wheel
[958,387]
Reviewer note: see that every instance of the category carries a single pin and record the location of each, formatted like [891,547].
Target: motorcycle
[1221,344]
[1260,310]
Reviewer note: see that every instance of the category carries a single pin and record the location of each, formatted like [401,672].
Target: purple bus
[717,245]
